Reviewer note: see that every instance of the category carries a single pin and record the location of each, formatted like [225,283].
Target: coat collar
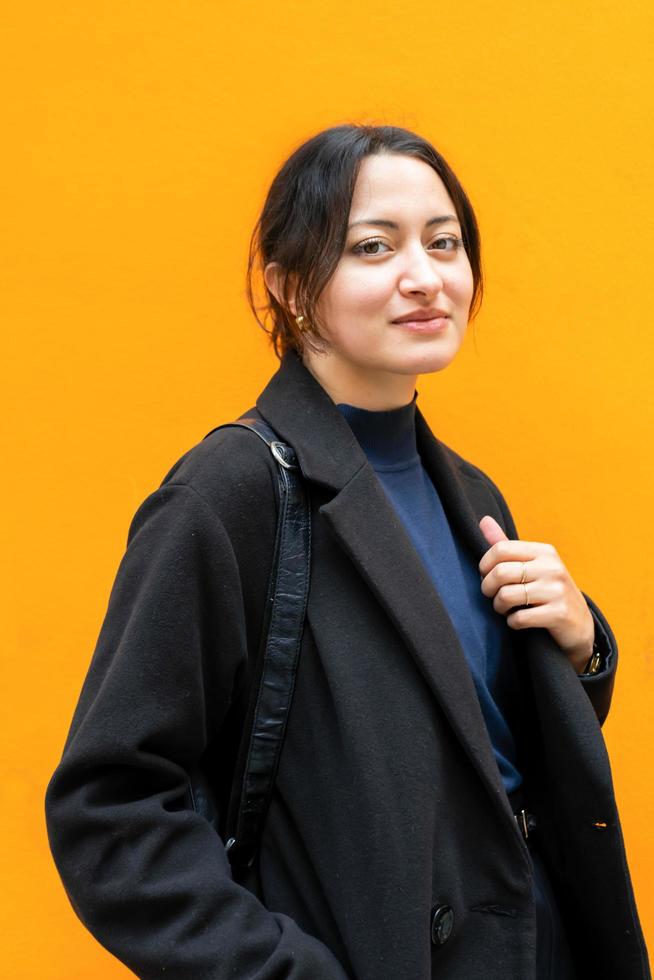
[301,411]
[368,529]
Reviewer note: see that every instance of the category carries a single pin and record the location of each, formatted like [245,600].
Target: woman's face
[403,253]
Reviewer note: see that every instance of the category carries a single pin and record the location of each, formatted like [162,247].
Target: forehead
[393,184]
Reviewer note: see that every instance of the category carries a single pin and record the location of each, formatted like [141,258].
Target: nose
[421,274]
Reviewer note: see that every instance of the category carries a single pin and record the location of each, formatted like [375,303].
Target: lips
[421,315]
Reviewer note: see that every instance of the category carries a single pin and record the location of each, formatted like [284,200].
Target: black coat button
[442,923]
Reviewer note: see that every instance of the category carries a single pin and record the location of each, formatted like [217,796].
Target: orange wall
[140,138]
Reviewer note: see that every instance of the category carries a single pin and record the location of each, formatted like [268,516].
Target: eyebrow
[440,219]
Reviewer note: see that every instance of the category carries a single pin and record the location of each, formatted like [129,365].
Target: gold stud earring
[300,322]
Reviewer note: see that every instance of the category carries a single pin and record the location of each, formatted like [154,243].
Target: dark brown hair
[303,223]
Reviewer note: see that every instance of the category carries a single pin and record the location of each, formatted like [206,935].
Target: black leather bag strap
[279,652]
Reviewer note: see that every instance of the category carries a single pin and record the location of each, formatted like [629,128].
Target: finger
[508,573]
[510,597]
[535,616]
[513,550]
[491,530]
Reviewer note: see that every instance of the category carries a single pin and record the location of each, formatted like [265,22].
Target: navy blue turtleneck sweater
[388,439]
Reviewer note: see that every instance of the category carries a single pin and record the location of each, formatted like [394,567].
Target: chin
[429,367]
[427,361]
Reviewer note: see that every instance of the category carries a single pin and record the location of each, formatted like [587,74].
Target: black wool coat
[388,803]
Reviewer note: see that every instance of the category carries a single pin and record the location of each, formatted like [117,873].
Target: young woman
[443,806]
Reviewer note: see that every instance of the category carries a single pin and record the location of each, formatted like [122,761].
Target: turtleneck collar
[388,437]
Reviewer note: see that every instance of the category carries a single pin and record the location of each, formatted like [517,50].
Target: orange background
[140,139]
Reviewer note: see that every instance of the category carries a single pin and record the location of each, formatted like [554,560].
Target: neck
[348,383]
[388,437]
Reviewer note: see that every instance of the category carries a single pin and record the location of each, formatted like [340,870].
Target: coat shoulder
[231,468]
[467,469]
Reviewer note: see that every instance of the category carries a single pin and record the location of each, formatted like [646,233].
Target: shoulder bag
[273,682]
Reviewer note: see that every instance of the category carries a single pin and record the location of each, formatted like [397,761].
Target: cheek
[352,293]
[460,287]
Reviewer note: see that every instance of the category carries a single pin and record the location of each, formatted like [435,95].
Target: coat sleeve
[148,877]
[599,686]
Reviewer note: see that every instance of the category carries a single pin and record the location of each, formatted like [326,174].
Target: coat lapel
[365,524]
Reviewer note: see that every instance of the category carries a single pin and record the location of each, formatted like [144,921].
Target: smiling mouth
[417,315]
[433,325]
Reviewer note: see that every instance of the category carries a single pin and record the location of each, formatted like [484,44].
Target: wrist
[582,657]
[595,662]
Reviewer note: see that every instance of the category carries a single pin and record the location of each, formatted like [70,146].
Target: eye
[360,249]
[451,240]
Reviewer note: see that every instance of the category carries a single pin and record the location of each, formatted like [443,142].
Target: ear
[275,277]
